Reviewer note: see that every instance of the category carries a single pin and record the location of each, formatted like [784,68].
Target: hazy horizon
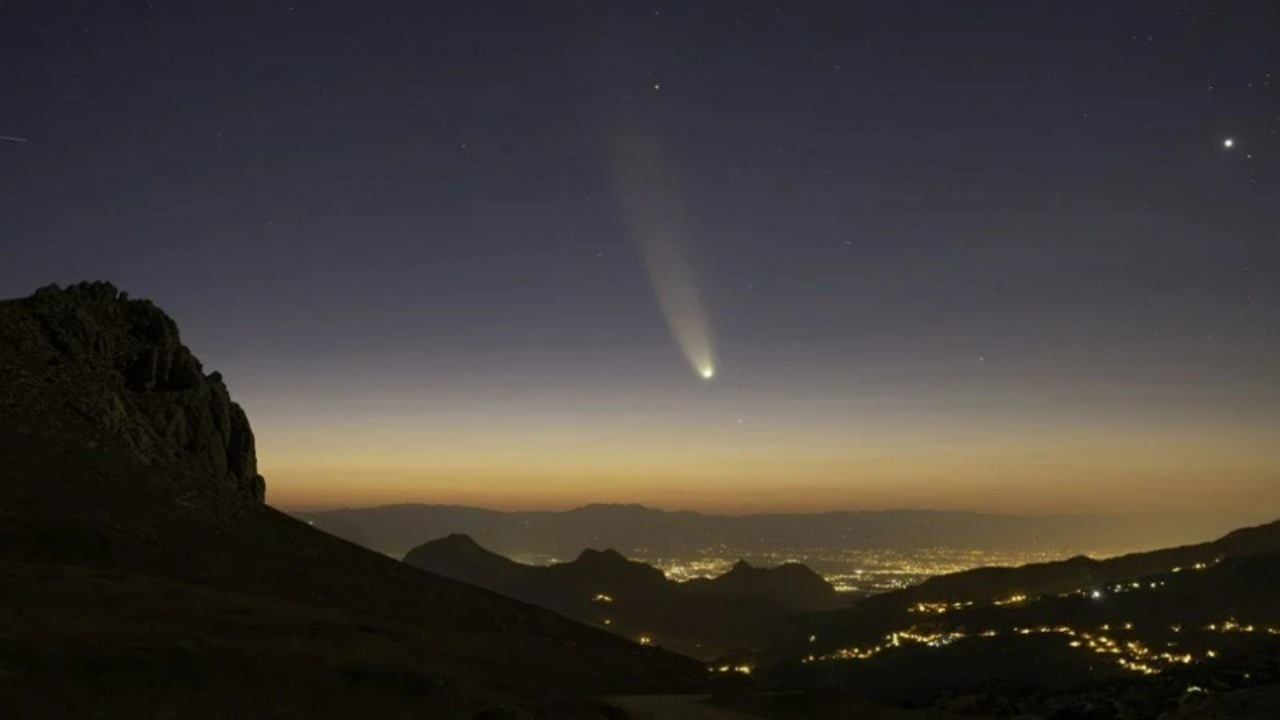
[1260,516]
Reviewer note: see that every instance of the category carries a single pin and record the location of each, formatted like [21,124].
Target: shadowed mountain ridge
[704,618]
[146,577]
[638,530]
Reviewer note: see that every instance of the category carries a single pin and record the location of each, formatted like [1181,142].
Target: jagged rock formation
[123,367]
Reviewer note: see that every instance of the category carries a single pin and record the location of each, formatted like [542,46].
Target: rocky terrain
[120,364]
[141,575]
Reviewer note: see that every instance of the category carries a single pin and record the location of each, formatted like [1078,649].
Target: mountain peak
[458,540]
[606,556]
[89,352]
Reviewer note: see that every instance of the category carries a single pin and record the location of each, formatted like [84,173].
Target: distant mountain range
[706,618]
[638,530]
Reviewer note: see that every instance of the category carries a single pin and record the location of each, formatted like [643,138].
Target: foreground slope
[145,576]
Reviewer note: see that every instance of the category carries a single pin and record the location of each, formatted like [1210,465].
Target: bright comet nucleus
[707,373]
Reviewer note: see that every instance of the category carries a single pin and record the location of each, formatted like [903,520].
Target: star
[1229,143]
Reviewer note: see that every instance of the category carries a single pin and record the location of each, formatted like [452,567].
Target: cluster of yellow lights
[892,640]
[1128,654]
[939,608]
[1131,654]
[645,640]
[869,569]
[1231,626]
[602,598]
[741,669]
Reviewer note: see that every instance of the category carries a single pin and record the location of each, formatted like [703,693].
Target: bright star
[1229,143]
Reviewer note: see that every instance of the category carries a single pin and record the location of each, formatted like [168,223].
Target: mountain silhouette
[706,618]
[792,587]
[638,530]
[144,576]
[458,556]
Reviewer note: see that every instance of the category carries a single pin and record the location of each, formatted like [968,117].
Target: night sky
[1006,256]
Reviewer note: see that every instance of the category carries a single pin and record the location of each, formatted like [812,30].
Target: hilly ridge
[640,530]
[1079,631]
[705,618]
[145,576]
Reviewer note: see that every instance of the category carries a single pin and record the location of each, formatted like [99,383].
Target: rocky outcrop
[136,380]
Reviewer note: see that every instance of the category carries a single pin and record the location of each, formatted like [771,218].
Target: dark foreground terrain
[141,575]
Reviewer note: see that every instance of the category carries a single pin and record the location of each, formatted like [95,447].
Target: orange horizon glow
[756,440]
[1153,471]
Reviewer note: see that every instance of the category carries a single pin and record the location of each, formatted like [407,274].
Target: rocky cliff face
[122,365]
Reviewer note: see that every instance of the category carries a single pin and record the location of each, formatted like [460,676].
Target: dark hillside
[145,578]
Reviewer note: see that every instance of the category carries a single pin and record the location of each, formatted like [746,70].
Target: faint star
[656,86]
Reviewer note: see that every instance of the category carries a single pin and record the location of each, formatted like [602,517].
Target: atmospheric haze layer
[656,221]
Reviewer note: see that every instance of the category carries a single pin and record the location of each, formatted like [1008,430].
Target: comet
[656,219]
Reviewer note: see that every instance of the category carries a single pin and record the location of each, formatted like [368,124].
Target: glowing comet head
[707,372]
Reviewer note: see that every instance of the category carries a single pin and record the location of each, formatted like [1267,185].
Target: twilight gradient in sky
[995,256]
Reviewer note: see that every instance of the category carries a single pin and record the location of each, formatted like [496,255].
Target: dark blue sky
[913,227]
